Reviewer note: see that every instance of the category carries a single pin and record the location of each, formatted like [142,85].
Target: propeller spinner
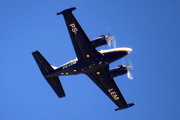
[129,74]
[128,67]
[110,39]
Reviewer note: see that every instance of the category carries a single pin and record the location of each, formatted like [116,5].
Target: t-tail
[46,68]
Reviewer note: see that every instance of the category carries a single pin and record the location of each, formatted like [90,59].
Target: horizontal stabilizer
[54,82]
[46,68]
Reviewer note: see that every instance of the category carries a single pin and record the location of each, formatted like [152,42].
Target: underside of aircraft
[89,61]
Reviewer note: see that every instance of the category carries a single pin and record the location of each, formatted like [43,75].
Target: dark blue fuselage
[75,67]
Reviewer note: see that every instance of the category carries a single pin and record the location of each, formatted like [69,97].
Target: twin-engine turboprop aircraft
[89,61]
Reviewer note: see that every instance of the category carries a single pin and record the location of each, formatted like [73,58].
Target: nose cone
[122,49]
[128,50]
[128,67]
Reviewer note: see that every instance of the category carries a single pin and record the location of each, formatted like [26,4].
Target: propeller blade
[130,64]
[110,39]
[113,42]
[129,75]
[109,43]
[109,34]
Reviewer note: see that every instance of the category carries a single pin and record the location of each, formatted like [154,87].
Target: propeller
[110,39]
[129,74]
[128,67]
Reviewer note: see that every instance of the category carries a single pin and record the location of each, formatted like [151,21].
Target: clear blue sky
[150,27]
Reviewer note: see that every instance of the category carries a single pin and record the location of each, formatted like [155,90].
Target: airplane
[89,61]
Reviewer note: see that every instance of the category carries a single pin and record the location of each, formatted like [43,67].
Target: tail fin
[46,68]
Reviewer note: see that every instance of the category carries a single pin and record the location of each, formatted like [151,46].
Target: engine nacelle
[99,41]
[120,70]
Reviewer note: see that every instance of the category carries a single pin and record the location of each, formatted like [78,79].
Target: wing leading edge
[82,45]
[108,86]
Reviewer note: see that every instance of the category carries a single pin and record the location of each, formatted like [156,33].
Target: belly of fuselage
[85,66]
[77,68]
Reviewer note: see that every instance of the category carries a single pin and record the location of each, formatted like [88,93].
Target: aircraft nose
[128,50]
